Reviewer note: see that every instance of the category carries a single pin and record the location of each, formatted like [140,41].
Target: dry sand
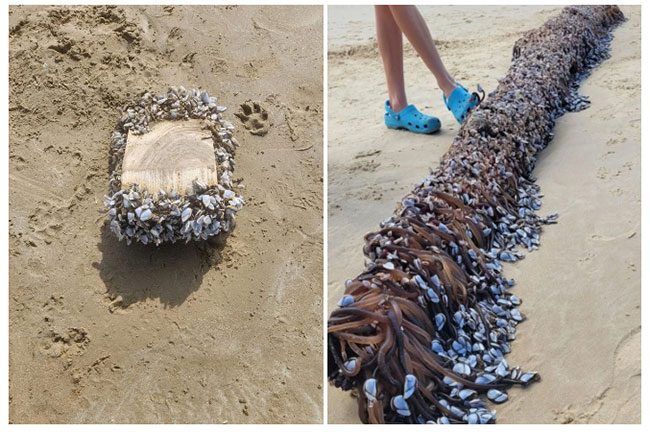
[102,332]
[582,289]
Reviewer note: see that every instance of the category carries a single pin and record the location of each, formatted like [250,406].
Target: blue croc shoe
[410,119]
[461,101]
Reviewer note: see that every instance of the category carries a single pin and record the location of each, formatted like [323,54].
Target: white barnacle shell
[187,212]
[205,98]
[145,215]
[370,389]
[410,384]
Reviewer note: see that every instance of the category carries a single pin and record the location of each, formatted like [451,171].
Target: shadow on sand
[169,272]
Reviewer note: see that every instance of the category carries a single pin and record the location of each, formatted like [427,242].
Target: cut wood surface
[170,157]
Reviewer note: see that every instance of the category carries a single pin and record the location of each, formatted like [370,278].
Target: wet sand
[582,288]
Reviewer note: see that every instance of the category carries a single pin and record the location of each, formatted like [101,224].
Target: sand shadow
[169,272]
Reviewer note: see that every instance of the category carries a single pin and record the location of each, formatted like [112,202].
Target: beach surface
[581,290]
[102,332]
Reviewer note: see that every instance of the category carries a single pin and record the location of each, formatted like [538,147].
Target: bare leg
[389,40]
[411,23]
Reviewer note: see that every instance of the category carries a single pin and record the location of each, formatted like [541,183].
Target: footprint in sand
[72,341]
[616,402]
[45,223]
[254,117]
[626,354]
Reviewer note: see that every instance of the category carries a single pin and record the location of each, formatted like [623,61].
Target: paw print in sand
[254,117]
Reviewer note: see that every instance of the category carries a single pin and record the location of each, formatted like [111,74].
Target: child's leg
[411,23]
[389,40]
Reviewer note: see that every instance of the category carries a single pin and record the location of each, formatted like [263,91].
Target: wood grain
[170,157]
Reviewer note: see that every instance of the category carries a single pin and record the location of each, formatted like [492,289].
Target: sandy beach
[101,332]
[581,290]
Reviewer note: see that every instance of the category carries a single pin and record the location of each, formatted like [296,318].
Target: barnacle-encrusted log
[151,216]
[423,331]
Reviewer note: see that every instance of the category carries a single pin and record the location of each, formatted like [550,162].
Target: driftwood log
[420,336]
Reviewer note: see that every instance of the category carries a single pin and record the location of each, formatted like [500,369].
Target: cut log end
[170,157]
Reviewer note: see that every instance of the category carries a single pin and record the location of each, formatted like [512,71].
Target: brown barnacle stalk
[421,335]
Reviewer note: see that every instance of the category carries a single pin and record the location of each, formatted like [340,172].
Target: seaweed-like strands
[423,331]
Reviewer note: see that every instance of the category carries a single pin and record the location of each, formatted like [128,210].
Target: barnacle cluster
[154,217]
[421,335]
